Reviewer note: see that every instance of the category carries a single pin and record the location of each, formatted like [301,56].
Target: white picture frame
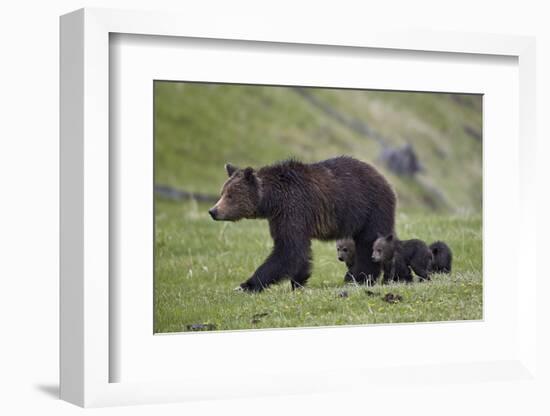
[87,356]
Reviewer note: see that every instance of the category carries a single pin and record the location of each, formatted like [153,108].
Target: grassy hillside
[199,127]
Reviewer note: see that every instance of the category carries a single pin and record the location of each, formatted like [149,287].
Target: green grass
[198,263]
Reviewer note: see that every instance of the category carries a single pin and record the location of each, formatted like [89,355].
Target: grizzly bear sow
[336,198]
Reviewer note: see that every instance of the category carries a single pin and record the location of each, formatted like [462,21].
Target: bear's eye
[345,250]
[229,196]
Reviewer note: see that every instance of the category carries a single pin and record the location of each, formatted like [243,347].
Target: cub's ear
[249,174]
[230,169]
[389,237]
[380,235]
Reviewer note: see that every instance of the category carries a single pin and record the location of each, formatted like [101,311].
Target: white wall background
[29,102]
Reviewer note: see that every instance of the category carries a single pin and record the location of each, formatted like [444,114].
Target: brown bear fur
[336,198]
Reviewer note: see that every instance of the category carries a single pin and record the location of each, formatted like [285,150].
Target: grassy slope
[198,261]
[200,127]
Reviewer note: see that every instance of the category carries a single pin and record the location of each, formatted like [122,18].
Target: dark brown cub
[345,250]
[398,257]
[443,257]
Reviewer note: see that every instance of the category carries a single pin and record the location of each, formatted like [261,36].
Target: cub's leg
[421,266]
[402,271]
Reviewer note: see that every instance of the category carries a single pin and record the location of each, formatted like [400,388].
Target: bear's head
[383,247]
[345,249]
[240,195]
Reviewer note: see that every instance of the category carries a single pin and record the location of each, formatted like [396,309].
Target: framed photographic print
[421,141]
[267,212]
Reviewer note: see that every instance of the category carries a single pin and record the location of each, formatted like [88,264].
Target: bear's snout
[340,258]
[213,213]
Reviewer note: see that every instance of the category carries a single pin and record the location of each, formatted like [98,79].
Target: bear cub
[443,257]
[398,257]
[441,252]
[345,249]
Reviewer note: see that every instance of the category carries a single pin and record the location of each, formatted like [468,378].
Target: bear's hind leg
[402,271]
[421,267]
[365,270]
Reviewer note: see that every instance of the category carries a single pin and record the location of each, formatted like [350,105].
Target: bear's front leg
[269,272]
[290,260]
[389,272]
[298,280]
[348,277]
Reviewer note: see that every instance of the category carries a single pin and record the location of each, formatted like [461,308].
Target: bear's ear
[249,175]
[389,237]
[230,169]
[380,235]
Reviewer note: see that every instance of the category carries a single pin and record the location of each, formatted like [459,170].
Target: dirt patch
[257,317]
[391,298]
